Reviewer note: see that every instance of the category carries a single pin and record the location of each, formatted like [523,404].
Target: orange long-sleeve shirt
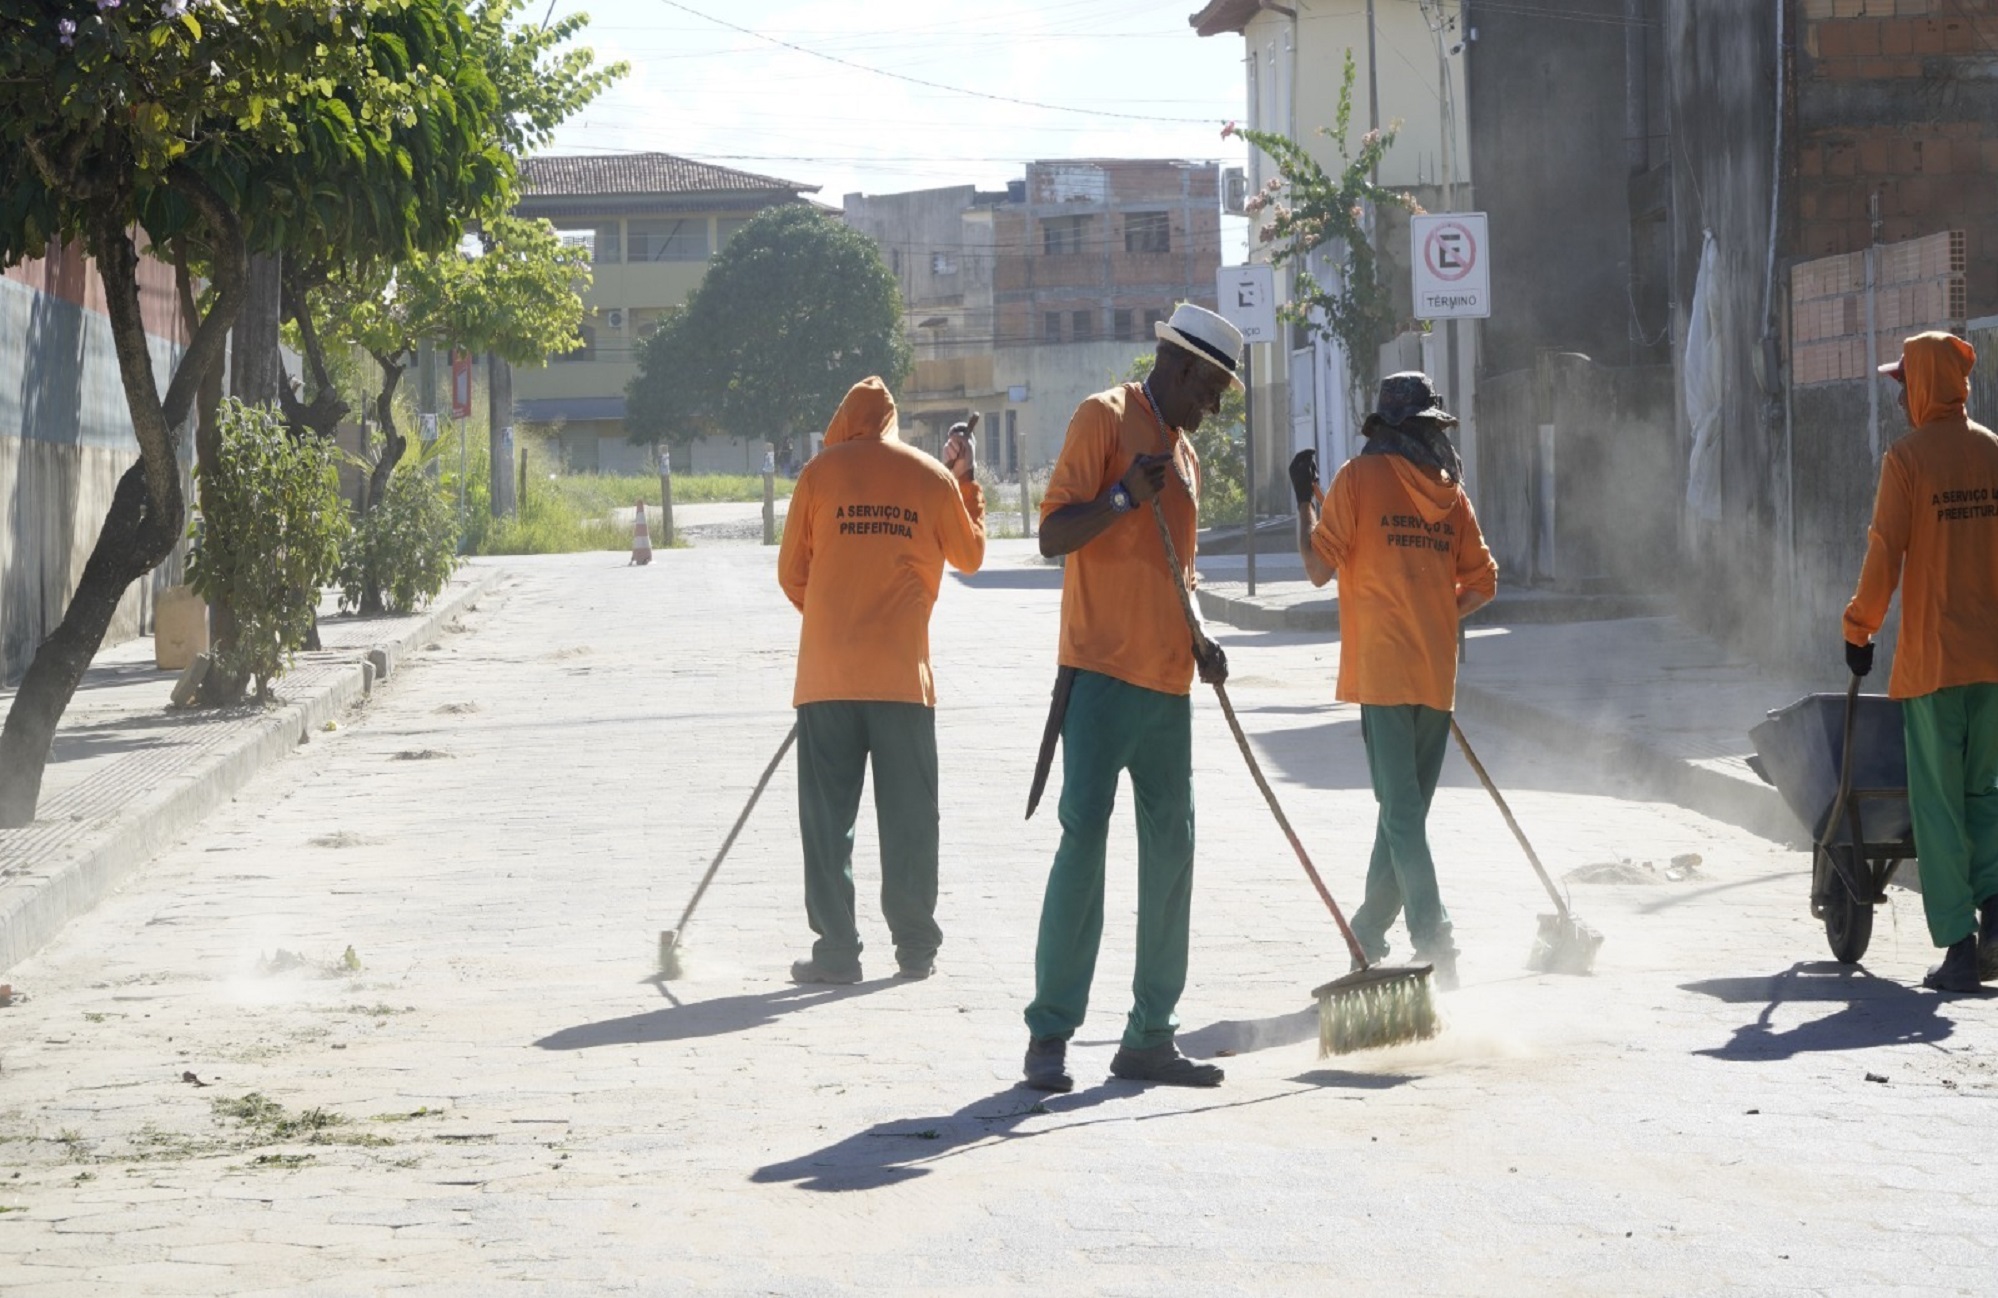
[1404,543]
[871,524]
[1935,532]
[1120,614]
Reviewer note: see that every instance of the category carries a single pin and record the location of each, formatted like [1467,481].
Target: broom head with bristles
[1381,1005]
[669,955]
[1564,945]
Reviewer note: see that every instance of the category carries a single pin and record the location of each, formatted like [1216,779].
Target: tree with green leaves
[1220,443]
[1313,209]
[519,299]
[797,309]
[204,132]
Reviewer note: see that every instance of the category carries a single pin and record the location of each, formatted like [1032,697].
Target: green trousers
[835,740]
[1405,746]
[1114,727]
[1952,738]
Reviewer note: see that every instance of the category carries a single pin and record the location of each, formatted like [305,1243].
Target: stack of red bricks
[1917,285]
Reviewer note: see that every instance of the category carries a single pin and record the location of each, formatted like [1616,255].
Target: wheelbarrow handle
[1837,808]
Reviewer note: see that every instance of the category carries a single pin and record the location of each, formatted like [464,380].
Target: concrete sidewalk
[127,776]
[1613,677]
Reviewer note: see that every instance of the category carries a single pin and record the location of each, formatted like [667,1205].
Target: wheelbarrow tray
[1799,749]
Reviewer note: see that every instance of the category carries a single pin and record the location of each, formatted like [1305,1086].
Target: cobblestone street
[387,1022]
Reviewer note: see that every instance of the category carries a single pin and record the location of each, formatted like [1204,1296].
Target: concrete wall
[65,440]
[1057,379]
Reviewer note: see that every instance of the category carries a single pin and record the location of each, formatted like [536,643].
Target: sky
[1112,78]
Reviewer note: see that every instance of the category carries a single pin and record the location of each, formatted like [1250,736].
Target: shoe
[1163,1065]
[810,971]
[1046,1068]
[1444,968]
[1987,942]
[916,972]
[1958,971]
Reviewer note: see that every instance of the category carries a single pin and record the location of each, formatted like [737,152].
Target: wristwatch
[1120,500]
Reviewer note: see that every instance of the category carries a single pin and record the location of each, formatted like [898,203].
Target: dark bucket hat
[1410,395]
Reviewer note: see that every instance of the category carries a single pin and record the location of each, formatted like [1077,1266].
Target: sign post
[1247,295]
[461,410]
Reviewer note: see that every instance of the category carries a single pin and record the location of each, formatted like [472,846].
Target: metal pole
[666,496]
[463,471]
[769,494]
[1249,459]
[1373,84]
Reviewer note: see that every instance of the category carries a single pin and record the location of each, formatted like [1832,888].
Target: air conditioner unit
[1234,191]
[614,320]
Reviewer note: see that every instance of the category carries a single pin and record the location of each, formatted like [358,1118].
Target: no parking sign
[1451,255]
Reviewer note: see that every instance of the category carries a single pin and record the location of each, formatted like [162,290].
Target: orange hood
[1432,496]
[1936,367]
[867,414]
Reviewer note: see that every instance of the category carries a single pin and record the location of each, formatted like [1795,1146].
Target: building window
[942,263]
[1148,232]
[1120,324]
[895,261]
[681,239]
[587,352]
[1064,236]
[1051,326]
[1084,323]
[1152,319]
[727,228]
[601,240]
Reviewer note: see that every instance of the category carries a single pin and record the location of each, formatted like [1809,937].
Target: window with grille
[1084,324]
[682,239]
[1120,324]
[1051,326]
[1152,318]
[1064,236]
[1148,232]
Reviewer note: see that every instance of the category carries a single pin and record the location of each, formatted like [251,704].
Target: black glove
[1859,657]
[1213,663]
[1304,475]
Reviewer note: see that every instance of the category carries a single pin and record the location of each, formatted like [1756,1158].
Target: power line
[933,85]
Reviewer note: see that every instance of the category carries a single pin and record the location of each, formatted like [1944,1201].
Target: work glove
[1304,475]
[1859,657]
[1213,663]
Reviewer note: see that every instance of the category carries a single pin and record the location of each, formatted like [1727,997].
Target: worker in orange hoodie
[871,523]
[1935,533]
[1398,532]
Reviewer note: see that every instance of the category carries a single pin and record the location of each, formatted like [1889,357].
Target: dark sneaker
[1047,1065]
[1958,971]
[810,971]
[1987,943]
[916,972]
[1163,1065]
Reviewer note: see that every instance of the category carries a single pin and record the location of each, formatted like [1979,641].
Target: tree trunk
[322,415]
[499,398]
[393,446]
[147,508]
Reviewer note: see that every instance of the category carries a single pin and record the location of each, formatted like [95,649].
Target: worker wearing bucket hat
[1121,696]
[1935,534]
[1399,533]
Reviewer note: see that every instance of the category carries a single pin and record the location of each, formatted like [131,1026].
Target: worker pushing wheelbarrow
[1935,535]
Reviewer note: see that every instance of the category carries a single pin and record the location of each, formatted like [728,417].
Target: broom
[669,939]
[1375,1004]
[1563,943]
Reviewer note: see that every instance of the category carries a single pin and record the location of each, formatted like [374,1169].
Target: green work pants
[1405,746]
[1114,727]
[1952,739]
[835,740]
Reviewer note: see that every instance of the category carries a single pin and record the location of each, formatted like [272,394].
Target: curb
[1757,807]
[1525,608]
[35,906]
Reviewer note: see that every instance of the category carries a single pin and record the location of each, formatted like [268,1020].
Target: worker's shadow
[719,1017]
[888,1153]
[1877,1012]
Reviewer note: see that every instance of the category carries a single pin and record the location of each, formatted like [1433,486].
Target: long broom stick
[669,940]
[1375,1005]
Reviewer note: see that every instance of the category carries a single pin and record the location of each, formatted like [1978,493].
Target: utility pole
[499,404]
[1373,84]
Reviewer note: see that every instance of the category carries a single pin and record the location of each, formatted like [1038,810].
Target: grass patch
[425,1112]
[6,1208]
[266,1122]
[283,1160]
[549,524]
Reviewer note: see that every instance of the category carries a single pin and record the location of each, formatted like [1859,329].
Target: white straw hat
[1207,336]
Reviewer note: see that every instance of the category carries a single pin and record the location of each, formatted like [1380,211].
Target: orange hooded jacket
[1935,531]
[871,523]
[1404,542]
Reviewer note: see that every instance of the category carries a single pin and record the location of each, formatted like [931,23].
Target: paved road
[493,1097]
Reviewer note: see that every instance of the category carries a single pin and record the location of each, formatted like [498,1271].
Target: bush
[548,524]
[268,538]
[403,550]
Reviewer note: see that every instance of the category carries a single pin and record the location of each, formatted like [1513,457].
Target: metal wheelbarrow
[1841,764]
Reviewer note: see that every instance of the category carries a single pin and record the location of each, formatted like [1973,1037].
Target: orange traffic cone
[641,538]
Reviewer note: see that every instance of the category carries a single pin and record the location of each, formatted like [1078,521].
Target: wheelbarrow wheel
[1848,921]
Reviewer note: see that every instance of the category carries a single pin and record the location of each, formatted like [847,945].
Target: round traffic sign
[1450,251]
